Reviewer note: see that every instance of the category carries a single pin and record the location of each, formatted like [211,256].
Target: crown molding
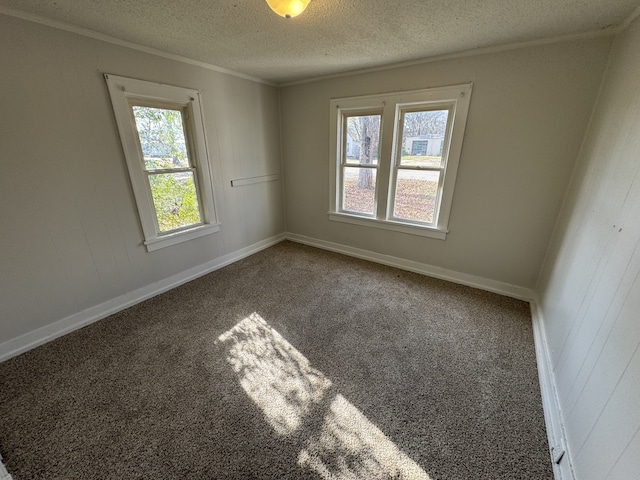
[604,32]
[85,32]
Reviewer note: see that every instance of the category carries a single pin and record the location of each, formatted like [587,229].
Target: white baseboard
[514,291]
[35,338]
[45,334]
[550,402]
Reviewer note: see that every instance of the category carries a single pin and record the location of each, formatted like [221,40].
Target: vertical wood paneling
[612,432]
[627,464]
[590,284]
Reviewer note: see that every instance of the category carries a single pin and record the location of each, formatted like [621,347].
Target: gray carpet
[294,363]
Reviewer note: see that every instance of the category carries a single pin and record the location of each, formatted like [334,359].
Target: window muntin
[419,148]
[163,138]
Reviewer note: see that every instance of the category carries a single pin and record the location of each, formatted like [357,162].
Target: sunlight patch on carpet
[339,442]
[276,376]
[349,446]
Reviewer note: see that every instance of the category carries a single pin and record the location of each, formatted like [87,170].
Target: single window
[162,135]
[395,158]
[167,164]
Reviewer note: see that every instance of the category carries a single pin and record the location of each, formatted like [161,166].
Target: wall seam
[282,169]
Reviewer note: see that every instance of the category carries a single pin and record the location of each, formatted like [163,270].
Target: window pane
[175,200]
[161,134]
[362,139]
[359,190]
[423,138]
[416,193]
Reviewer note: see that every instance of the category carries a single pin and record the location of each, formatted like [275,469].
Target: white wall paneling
[590,285]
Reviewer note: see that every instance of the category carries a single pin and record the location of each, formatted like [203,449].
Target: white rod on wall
[238,182]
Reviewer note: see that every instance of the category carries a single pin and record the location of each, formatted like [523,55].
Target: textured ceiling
[331,36]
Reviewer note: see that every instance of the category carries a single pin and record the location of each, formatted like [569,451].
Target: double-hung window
[394,158]
[162,134]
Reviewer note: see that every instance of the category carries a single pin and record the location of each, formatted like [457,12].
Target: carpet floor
[294,363]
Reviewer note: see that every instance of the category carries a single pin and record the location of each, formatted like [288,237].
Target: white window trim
[121,90]
[457,97]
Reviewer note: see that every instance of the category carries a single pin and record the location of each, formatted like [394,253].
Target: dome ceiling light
[288,8]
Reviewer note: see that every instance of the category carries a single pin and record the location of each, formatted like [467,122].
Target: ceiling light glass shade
[288,8]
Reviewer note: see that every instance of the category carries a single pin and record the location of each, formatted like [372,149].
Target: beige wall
[590,285]
[70,236]
[528,115]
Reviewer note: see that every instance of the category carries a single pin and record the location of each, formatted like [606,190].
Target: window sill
[420,230]
[182,236]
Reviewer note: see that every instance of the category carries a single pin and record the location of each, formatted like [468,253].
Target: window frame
[401,110]
[128,92]
[456,98]
[356,112]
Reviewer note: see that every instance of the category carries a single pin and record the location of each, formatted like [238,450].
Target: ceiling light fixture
[288,8]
